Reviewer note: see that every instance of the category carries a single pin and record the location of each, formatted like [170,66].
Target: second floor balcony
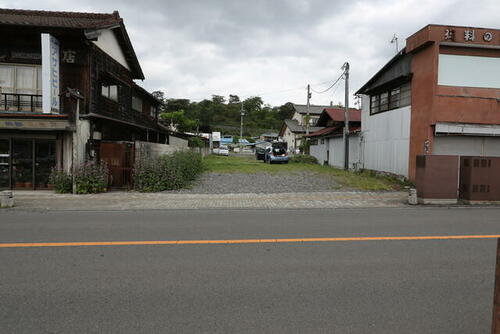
[10,102]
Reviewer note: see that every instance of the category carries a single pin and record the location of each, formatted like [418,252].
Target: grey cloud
[194,49]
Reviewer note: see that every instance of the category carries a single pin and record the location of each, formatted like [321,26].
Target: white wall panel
[385,142]
[469,71]
[108,43]
[319,151]
[336,146]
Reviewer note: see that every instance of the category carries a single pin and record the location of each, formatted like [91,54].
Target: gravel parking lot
[287,182]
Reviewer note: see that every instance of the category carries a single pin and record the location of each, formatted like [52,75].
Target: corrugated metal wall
[385,144]
[319,151]
[336,147]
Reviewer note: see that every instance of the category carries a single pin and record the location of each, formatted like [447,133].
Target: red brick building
[439,95]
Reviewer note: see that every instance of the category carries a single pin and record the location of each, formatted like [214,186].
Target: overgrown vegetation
[304,158]
[195,142]
[363,180]
[62,181]
[92,178]
[168,172]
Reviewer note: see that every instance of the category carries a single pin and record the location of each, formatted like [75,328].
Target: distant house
[301,112]
[292,133]
[294,129]
[327,144]
[269,136]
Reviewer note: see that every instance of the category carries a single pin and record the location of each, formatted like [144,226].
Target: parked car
[276,153]
[221,150]
[260,150]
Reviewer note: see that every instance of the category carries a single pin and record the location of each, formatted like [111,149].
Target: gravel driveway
[216,183]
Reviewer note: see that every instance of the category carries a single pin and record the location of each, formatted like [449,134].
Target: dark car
[260,150]
[276,153]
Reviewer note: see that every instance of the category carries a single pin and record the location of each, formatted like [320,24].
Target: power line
[278,91]
[324,91]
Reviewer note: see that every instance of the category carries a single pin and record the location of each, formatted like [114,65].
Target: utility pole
[241,120]
[346,117]
[307,114]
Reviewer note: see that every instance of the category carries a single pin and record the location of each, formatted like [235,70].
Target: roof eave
[382,70]
[130,55]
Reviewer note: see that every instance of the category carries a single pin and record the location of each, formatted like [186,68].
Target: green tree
[178,120]
[286,111]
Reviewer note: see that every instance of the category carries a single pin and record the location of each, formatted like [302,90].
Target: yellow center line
[240,241]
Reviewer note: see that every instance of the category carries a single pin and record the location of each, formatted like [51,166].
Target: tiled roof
[324,131]
[313,110]
[294,126]
[40,18]
[337,114]
[75,20]
[334,131]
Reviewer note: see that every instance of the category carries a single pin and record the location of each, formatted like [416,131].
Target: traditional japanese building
[66,87]
[294,129]
[440,95]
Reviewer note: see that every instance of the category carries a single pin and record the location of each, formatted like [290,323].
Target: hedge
[167,172]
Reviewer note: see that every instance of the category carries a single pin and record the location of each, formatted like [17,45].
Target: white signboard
[50,74]
[215,136]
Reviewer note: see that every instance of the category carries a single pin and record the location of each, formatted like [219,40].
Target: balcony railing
[20,102]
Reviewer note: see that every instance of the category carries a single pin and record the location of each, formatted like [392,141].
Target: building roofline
[87,22]
[382,70]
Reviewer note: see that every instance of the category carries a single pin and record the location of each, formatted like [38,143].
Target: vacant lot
[245,174]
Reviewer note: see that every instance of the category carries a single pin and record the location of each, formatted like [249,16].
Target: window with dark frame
[136,103]
[153,111]
[374,105]
[391,99]
[110,92]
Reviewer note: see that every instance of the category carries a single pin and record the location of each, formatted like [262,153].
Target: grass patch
[364,180]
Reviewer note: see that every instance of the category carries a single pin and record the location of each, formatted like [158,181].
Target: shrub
[304,158]
[195,142]
[62,181]
[305,146]
[168,172]
[91,178]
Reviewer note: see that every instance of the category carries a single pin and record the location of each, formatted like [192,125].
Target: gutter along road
[383,270]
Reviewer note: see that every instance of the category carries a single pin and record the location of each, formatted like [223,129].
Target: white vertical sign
[215,136]
[50,74]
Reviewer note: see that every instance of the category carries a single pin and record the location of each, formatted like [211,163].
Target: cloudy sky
[273,48]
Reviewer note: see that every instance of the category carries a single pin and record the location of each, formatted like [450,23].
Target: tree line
[221,114]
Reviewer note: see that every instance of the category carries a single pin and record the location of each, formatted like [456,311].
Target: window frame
[108,88]
[37,78]
[137,98]
[394,100]
[153,111]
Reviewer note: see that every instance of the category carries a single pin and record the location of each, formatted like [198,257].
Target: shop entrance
[26,163]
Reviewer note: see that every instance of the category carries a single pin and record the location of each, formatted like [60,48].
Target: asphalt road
[408,286]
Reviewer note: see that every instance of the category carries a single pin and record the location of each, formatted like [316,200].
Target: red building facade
[453,101]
